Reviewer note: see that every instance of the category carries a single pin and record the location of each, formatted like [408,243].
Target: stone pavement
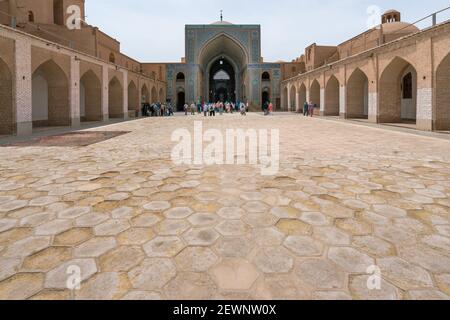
[347,197]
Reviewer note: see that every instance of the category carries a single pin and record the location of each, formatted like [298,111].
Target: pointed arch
[115,98]
[161,96]
[293,98]
[302,96]
[443,95]
[358,95]
[154,95]
[6,100]
[332,97]
[133,97]
[50,96]
[145,94]
[398,92]
[90,97]
[314,93]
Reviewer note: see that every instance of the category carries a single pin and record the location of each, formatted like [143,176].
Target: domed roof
[391,11]
[399,27]
[221,23]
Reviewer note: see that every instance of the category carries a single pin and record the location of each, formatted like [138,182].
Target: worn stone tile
[234,274]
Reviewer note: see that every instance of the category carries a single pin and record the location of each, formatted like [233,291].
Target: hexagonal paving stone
[47,259]
[8,267]
[103,286]
[119,196]
[121,259]
[196,259]
[255,207]
[164,247]
[13,205]
[332,236]
[359,286]
[53,227]
[293,227]
[428,295]
[443,282]
[95,247]
[403,274]
[234,274]
[390,211]
[437,242]
[374,246]
[231,213]
[43,201]
[267,237]
[320,274]
[73,237]
[285,212]
[303,246]
[260,220]
[7,224]
[171,227]
[122,213]
[152,274]
[233,247]
[178,213]
[27,246]
[354,227]
[91,219]
[21,286]
[145,220]
[203,219]
[232,228]
[58,278]
[314,218]
[74,212]
[37,219]
[201,237]
[350,260]
[136,236]
[273,260]
[111,227]
[157,206]
[190,286]
[280,287]
[425,257]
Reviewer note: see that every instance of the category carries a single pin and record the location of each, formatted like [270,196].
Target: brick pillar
[297,101]
[373,106]
[23,88]
[343,101]
[75,92]
[425,86]
[289,98]
[322,101]
[105,93]
[125,94]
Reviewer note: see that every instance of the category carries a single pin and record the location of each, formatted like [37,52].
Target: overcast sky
[153,30]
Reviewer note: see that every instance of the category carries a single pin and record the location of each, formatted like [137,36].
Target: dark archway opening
[265,97]
[181,100]
[222,81]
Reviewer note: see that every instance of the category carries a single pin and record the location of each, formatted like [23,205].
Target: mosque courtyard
[350,202]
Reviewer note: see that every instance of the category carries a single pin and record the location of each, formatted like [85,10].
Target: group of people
[157,110]
[211,109]
[308,109]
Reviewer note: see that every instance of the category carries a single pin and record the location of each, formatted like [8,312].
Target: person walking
[306,109]
[205,110]
[270,108]
[312,106]
[193,109]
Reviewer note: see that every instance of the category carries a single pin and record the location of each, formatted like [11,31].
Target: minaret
[221,15]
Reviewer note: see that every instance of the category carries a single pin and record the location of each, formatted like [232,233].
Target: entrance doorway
[222,81]
[181,100]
